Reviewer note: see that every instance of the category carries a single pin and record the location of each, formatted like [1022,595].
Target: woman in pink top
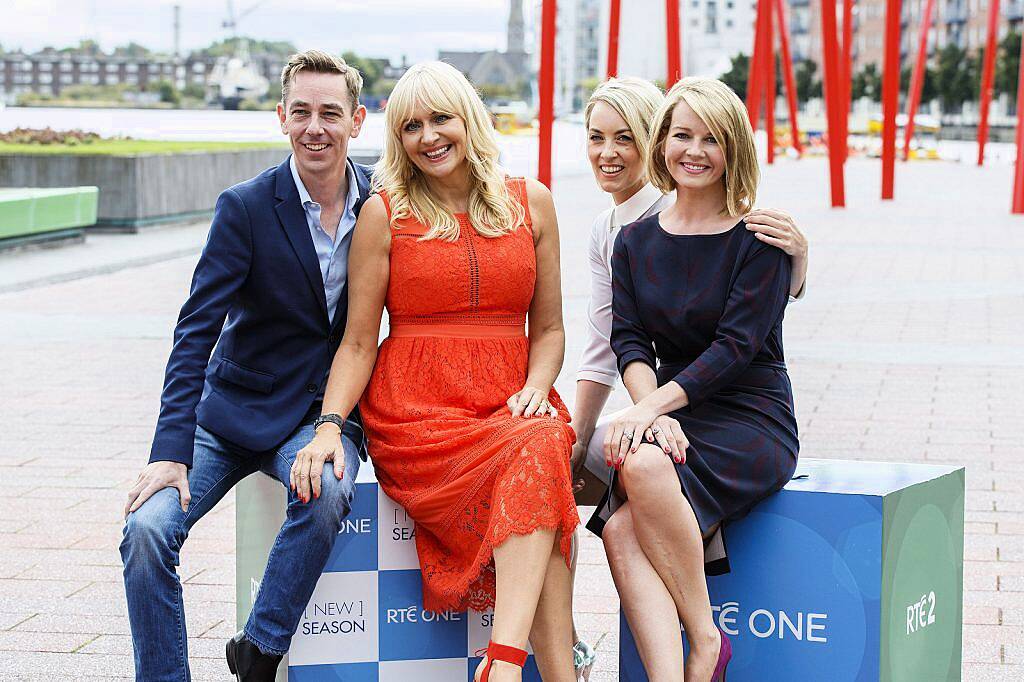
[618,118]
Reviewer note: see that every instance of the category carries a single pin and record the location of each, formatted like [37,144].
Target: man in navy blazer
[246,375]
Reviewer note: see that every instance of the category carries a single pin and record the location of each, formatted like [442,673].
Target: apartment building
[50,71]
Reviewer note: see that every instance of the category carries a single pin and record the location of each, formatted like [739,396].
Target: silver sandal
[583,656]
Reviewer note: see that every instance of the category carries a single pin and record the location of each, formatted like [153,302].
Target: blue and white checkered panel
[356,546]
[396,548]
[340,623]
[367,607]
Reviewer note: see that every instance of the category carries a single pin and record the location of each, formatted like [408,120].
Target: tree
[807,86]
[587,87]
[273,91]
[227,47]
[867,83]
[168,93]
[196,91]
[928,90]
[89,47]
[370,69]
[1007,65]
[738,74]
[132,50]
[383,87]
[491,92]
[956,78]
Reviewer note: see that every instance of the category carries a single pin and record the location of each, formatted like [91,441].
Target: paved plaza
[908,347]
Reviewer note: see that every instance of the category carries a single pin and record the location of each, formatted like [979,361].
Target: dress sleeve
[630,340]
[597,363]
[753,308]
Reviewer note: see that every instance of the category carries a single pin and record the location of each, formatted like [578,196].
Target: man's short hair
[318,61]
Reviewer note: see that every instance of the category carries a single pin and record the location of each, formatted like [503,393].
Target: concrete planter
[136,191]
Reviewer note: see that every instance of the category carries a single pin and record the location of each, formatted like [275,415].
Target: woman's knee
[618,532]
[648,465]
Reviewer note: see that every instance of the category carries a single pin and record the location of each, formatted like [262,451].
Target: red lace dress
[441,437]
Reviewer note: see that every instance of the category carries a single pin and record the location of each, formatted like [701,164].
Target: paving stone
[987,672]
[57,642]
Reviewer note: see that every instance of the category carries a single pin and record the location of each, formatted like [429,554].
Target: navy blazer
[258,296]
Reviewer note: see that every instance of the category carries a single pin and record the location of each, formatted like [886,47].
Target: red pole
[546,87]
[890,95]
[830,50]
[845,67]
[917,81]
[770,91]
[675,68]
[986,77]
[613,40]
[787,73]
[1018,174]
[754,81]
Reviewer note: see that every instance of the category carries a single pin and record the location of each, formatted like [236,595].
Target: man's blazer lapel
[293,220]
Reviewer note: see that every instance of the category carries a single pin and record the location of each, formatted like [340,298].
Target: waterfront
[519,152]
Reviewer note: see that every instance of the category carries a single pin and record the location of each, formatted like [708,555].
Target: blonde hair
[634,99]
[317,61]
[441,88]
[726,117]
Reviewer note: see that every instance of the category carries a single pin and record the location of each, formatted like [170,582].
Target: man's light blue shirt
[332,253]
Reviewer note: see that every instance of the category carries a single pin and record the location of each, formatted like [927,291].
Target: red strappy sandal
[501,652]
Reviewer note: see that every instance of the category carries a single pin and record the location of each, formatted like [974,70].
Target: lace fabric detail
[460,318]
[443,441]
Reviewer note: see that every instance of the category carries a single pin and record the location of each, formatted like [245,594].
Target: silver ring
[627,436]
[655,430]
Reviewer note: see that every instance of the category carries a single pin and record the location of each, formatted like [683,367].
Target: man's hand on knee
[154,478]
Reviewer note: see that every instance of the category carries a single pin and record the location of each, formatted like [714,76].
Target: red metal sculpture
[985,96]
[917,81]
[546,88]
[890,95]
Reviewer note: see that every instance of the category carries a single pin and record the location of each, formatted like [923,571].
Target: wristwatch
[331,418]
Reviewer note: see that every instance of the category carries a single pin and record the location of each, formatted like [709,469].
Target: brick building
[50,71]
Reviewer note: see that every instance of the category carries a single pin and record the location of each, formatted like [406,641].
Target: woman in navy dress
[698,302]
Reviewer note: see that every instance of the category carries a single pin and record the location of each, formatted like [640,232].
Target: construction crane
[235,78]
[231,23]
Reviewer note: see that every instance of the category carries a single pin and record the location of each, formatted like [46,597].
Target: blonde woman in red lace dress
[464,428]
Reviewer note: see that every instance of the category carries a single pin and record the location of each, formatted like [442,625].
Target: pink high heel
[504,653]
[724,656]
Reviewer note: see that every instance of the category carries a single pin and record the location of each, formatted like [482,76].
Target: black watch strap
[331,418]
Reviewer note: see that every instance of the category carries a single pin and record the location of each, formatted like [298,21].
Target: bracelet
[331,418]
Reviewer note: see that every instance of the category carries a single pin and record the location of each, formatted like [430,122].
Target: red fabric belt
[459,326]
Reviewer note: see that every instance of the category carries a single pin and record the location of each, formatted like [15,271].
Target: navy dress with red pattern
[705,311]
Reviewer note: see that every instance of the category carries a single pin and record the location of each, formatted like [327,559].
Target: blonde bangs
[439,87]
[635,100]
[726,117]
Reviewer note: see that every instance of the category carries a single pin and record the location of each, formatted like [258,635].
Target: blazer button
[333,338]
[311,388]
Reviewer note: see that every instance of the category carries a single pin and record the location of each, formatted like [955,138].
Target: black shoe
[247,663]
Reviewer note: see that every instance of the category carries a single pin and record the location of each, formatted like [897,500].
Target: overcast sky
[372,28]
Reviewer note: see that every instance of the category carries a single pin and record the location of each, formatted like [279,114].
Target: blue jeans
[155,532]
